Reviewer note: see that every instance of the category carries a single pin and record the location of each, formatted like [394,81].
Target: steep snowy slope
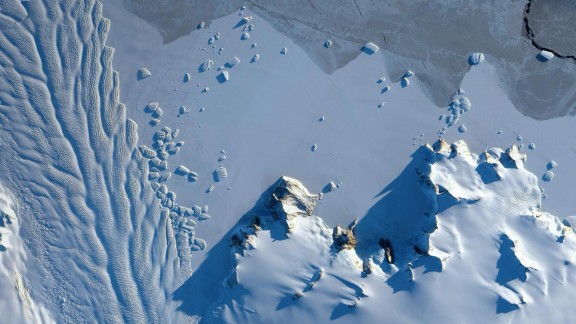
[485,252]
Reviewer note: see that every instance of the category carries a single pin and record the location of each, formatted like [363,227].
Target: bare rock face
[344,238]
[291,199]
[387,246]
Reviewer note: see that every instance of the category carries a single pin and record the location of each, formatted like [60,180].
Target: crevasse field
[275,162]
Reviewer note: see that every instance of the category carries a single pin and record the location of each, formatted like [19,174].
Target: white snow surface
[96,230]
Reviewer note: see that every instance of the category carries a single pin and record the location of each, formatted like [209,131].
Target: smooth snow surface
[205,180]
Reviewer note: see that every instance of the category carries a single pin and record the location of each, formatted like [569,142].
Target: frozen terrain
[194,166]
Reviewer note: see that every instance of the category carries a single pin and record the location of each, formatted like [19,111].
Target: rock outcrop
[290,199]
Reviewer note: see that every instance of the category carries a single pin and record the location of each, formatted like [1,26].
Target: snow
[94,226]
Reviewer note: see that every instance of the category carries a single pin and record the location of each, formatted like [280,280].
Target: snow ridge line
[93,221]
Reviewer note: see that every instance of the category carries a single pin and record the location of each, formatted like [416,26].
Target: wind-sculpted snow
[487,239]
[98,246]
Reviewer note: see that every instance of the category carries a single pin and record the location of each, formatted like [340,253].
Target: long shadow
[204,290]
[401,212]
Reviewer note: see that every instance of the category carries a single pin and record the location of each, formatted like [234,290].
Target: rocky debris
[284,51]
[206,66]
[545,56]
[328,44]
[548,176]
[344,238]
[220,173]
[143,73]
[243,237]
[475,58]
[387,246]
[370,48]
[290,199]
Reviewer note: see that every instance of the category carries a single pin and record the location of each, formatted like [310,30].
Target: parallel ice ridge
[483,218]
[100,249]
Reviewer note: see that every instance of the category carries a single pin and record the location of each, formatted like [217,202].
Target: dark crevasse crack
[531,35]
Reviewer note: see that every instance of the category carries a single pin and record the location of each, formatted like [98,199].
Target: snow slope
[490,255]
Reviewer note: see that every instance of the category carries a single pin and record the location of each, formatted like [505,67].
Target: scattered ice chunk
[233,62]
[464,103]
[253,45]
[385,89]
[222,158]
[548,176]
[155,186]
[499,132]
[196,210]
[544,56]
[192,177]
[154,122]
[255,58]
[462,129]
[321,119]
[314,148]
[209,190]
[143,73]
[151,107]
[164,177]
[331,186]
[183,110]
[519,137]
[380,105]
[381,80]
[245,36]
[404,82]
[186,77]
[475,58]
[220,50]
[206,89]
[223,77]
[250,27]
[153,176]
[202,109]
[200,25]
[243,8]
[532,146]
[370,48]
[408,74]
[328,44]
[551,165]
[182,170]
[211,40]
[206,66]
[157,113]
[284,51]
[199,244]
[220,173]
